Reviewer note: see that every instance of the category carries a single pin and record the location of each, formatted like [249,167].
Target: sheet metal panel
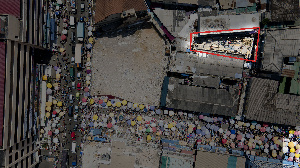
[10,7]
[2,87]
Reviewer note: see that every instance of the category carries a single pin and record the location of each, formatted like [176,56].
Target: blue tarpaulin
[96,131]
[53,28]
[164,91]
[99,139]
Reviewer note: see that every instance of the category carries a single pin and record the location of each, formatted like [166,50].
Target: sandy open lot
[130,67]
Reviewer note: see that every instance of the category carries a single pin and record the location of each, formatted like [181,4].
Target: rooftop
[208,159]
[209,65]
[287,10]
[200,99]
[105,8]
[279,44]
[266,105]
[11,7]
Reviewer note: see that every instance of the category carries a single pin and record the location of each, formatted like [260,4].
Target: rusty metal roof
[105,8]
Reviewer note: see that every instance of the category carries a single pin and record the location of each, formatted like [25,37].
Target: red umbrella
[109,125]
[87,89]
[83,99]
[54,112]
[241,145]
[100,101]
[50,133]
[224,141]
[239,137]
[63,37]
[153,129]
[263,129]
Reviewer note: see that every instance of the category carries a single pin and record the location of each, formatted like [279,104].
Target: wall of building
[25,33]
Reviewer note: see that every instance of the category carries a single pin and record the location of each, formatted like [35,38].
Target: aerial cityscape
[150,83]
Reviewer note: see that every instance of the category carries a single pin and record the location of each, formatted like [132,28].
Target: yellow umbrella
[92,101]
[297,155]
[252,126]
[118,104]
[49,85]
[297,146]
[47,114]
[44,77]
[141,106]
[170,125]
[139,118]
[91,40]
[133,123]
[57,76]
[55,84]
[240,123]
[88,59]
[190,130]
[95,117]
[291,131]
[292,150]
[89,138]
[48,104]
[105,100]
[59,104]
[291,144]
[124,102]
[108,104]
[48,108]
[88,82]
[54,101]
[275,154]
[61,50]
[149,138]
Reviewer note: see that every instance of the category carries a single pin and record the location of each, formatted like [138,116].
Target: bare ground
[130,67]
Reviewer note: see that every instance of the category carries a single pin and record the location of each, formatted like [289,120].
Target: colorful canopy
[124,102]
[48,108]
[49,85]
[63,37]
[59,104]
[47,114]
[44,77]
[118,104]
[95,117]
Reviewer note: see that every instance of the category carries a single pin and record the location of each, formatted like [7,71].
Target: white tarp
[43,103]
[78,53]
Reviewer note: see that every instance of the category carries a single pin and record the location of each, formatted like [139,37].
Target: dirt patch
[130,67]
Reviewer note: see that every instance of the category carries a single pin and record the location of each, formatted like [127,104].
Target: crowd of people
[152,124]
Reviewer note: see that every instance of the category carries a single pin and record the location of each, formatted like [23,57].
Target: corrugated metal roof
[104,8]
[2,87]
[10,7]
